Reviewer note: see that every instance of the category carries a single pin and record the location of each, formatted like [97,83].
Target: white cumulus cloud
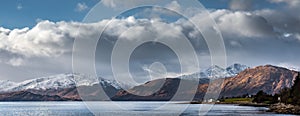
[81,7]
[247,34]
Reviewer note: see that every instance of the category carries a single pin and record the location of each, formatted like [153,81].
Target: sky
[26,13]
[37,37]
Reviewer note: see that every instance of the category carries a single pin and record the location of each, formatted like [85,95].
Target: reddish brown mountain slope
[270,79]
[167,91]
[90,93]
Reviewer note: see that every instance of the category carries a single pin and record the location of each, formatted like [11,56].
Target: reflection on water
[43,108]
[123,108]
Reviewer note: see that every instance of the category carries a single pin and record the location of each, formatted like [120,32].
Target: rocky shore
[278,108]
[284,108]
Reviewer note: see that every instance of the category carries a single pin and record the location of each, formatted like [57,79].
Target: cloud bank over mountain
[251,37]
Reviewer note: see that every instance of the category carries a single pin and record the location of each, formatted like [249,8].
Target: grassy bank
[237,100]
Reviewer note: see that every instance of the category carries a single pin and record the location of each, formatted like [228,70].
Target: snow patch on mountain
[56,82]
[217,72]
[6,84]
[235,69]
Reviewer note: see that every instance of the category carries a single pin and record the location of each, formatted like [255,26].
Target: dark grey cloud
[288,24]
[241,5]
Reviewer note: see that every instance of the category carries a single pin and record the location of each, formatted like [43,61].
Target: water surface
[123,109]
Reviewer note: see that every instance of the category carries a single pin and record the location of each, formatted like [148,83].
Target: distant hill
[58,88]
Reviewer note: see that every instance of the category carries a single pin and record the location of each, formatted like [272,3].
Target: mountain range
[237,80]
[56,87]
[268,78]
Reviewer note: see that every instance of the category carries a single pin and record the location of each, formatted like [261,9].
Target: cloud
[133,30]
[38,20]
[246,34]
[45,39]
[289,66]
[235,43]
[19,7]
[289,7]
[81,7]
[16,62]
[287,27]
[257,33]
[251,37]
[174,6]
[241,5]
[241,24]
[290,3]
[297,36]
[50,43]
[127,3]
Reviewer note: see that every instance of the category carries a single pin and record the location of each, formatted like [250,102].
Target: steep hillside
[270,79]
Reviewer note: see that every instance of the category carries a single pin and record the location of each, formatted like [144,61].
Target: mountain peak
[236,68]
[216,71]
[237,65]
[214,67]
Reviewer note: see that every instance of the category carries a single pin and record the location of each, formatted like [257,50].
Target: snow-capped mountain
[60,81]
[6,84]
[217,72]
[269,79]
[236,68]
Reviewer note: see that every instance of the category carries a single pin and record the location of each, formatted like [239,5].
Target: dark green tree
[295,91]
[291,95]
[259,97]
[262,97]
[285,96]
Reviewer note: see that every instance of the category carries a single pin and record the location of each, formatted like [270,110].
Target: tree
[292,95]
[285,95]
[260,97]
[295,91]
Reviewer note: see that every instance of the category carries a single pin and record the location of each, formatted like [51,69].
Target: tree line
[286,95]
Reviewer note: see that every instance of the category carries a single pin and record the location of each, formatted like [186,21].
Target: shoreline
[236,103]
[281,108]
[278,108]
